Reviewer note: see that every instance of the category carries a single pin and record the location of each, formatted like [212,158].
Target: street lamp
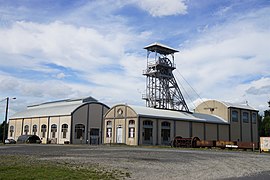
[5,122]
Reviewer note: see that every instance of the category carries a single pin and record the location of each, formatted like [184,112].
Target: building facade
[76,121]
[134,125]
[243,119]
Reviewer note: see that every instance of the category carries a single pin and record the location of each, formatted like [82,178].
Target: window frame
[43,130]
[79,127]
[232,116]
[64,130]
[26,129]
[254,120]
[34,129]
[11,131]
[245,120]
[131,129]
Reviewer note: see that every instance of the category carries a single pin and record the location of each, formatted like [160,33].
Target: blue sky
[51,50]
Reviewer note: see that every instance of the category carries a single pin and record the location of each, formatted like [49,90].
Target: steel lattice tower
[162,90]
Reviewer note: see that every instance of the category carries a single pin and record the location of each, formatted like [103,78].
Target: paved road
[155,163]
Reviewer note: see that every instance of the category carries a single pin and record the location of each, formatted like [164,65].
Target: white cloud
[162,7]
[230,61]
[60,75]
[84,52]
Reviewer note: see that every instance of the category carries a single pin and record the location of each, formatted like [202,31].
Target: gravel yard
[154,163]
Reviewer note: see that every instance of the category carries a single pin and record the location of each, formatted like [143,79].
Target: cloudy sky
[51,50]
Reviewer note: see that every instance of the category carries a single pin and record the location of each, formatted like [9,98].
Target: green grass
[27,167]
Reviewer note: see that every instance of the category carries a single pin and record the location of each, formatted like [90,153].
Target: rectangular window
[65,133]
[53,134]
[245,117]
[109,133]
[43,134]
[131,133]
[94,132]
[235,116]
[254,118]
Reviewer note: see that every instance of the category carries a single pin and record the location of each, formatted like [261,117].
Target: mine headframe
[162,90]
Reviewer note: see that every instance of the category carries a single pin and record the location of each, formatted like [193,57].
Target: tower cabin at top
[162,90]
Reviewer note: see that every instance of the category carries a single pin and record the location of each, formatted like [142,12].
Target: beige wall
[120,116]
[64,120]
[108,139]
[217,108]
[56,121]
[134,140]
[45,121]
[19,125]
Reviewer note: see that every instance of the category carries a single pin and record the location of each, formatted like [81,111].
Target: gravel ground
[155,163]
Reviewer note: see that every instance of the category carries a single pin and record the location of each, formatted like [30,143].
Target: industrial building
[76,121]
[167,115]
[242,119]
[134,125]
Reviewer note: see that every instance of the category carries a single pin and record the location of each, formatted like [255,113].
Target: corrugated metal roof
[55,108]
[47,111]
[240,106]
[177,115]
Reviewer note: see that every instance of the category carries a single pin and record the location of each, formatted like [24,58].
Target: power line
[182,87]
[192,89]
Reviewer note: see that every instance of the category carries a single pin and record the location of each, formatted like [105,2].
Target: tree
[264,125]
[267,112]
[2,130]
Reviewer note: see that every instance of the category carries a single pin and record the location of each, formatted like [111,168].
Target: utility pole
[5,122]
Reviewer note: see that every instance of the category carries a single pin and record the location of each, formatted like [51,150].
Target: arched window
[165,132]
[109,129]
[64,130]
[34,129]
[131,129]
[109,123]
[26,129]
[53,130]
[254,118]
[235,116]
[43,130]
[147,123]
[11,130]
[79,131]
[245,117]
[148,132]
[165,124]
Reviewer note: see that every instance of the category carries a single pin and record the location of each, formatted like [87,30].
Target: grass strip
[28,167]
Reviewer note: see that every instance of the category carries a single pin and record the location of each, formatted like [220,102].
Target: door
[165,136]
[119,135]
[147,136]
[94,136]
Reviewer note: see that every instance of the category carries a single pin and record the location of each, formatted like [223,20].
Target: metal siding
[198,130]
[223,132]
[211,131]
[182,129]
